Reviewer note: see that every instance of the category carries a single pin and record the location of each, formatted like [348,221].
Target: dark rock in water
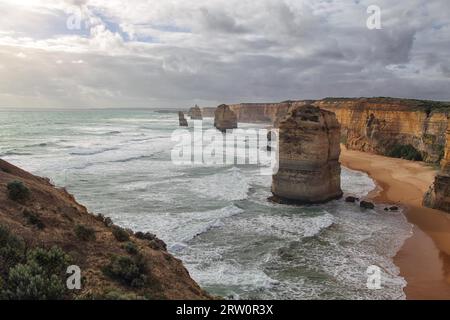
[386,209]
[182,119]
[351,199]
[394,208]
[367,205]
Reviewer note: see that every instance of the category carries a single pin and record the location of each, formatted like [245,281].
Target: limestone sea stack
[195,113]
[225,118]
[438,197]
[309,149]
[182,119]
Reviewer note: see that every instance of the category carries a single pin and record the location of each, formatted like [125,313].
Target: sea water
[216,219]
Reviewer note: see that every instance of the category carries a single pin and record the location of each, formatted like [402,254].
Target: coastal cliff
[309,150]
[411,129]
[438,196]
[43,230]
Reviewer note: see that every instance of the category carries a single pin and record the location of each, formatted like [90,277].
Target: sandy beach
[424,259]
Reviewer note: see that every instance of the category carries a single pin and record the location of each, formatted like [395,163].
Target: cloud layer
[174,53]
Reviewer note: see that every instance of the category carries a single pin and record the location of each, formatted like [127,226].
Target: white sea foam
[218,220]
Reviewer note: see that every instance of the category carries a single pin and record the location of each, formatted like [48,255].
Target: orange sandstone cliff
[412,129]
[438,197]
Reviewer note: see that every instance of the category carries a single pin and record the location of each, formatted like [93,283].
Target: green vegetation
[120,234]
[33,219]
[407,152]
[105,220]
[37,274]
[85,233]
[131,248]
[128,271]
[17,191]
[12,251]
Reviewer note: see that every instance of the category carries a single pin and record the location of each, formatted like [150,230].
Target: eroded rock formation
[386,126]
[182,119]
[225,118]
[309,150]
[195,113]
[438,197]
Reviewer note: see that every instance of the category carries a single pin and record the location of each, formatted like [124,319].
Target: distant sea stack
[182,119]
[225,118]
[438,197]
[309,168]
[195,113]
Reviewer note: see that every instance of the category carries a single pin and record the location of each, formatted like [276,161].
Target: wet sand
[424,259]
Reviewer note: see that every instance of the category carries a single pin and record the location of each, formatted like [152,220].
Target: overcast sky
[175,53]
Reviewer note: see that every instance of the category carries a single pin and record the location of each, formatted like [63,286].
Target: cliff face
[391,127]
[264,112]
[309,168]
[225,118]
[438,197]
[208,112]
[386,126]
[115,263]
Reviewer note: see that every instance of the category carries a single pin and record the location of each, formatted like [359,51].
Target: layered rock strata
[224,118]
[309,150]
[438,197]
[385,126]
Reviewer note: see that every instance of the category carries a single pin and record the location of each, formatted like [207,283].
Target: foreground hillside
[43,230]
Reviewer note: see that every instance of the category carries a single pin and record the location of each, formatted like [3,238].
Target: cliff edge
[43,230]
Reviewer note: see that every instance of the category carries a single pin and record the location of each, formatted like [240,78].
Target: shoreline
[424,259]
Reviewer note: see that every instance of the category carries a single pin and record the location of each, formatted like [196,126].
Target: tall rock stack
[195,113]
[182,119]
[309,169]
[225,118]
[438,197]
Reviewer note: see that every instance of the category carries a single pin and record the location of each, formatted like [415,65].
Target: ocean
[216,219]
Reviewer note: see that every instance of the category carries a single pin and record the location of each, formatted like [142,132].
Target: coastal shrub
[33,219]
[17,191]
[105,220]
[85,233]
[407,152]
[12,251]
[120,234]
[145,236]
[42,277]
[128,271]
[131,248]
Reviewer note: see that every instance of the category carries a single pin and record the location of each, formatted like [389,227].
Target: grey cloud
[237,51]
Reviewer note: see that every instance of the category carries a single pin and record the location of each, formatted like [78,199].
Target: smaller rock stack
[225,118]
[182,119]
[309,150]
[438,197]
[195,113]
